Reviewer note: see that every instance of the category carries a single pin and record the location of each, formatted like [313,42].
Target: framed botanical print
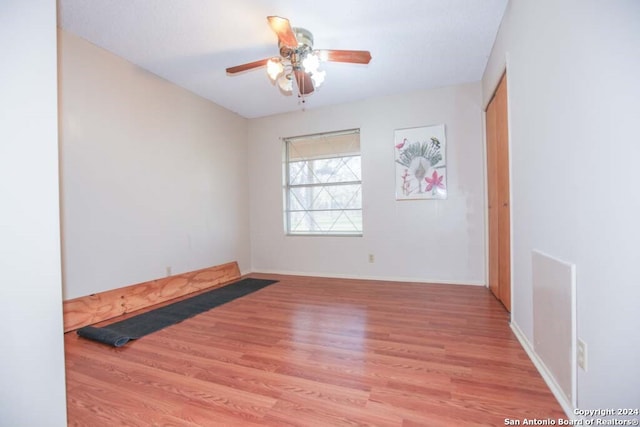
[421,163]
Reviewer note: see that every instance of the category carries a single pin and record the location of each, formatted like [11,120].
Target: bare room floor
[317,352]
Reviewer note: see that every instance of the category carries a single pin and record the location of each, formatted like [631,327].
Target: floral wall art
[421,171]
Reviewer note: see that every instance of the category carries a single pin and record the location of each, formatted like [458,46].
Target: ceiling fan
[298,60]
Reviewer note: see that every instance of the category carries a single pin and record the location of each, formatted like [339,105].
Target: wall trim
[567,407]
[378,278]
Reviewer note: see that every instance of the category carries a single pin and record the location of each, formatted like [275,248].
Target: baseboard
[94,308]
[567,407]
[361,277]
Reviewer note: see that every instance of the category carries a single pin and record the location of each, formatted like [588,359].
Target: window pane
[321,171]
[326,222]
[339,169]
[347,196]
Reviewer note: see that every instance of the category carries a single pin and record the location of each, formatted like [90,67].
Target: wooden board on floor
[95,308]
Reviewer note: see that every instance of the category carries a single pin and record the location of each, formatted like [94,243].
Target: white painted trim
[567,407]
[512,272]
[378,278]
[485,190]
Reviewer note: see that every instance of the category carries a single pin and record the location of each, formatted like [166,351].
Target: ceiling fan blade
[351,56]
[282,28]
[305,84]
[248,66]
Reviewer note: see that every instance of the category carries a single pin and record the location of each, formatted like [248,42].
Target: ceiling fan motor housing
[304,37]
[297,54]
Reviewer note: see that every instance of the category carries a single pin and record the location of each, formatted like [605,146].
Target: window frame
[288,186]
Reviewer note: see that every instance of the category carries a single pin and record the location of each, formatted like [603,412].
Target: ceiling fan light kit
[303,58]
[298,60]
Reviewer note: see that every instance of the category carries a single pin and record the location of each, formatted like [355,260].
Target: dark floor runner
[119,333]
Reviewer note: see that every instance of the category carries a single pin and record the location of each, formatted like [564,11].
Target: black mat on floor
[119,333]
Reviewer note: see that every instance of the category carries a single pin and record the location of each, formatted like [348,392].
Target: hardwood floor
[317,352]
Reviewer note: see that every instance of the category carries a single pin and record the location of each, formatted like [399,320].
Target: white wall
[32,384]
[152,175]
[573,70]
[434,240]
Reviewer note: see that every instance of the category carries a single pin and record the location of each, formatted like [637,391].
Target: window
[323,184]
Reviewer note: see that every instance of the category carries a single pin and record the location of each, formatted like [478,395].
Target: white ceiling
[415,44]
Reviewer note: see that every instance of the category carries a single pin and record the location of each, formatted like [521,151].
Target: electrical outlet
[168,271]
[372,258]
[582,354]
